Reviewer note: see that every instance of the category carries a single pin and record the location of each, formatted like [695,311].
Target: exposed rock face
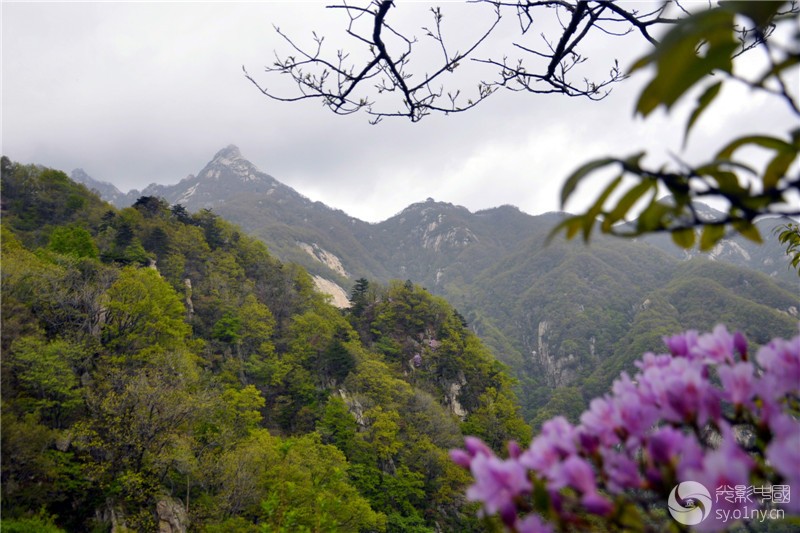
[325,257]
[556,370]
[728,248]
[338,295]
[112,515]
[172,516]
[452,392]
[353,406]
[188,300]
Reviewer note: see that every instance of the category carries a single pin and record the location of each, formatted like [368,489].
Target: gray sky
[137,93]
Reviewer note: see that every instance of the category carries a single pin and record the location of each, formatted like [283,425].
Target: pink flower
[716,347]
[622,471]
[476,446]
[574,472]
[461,458]
[497,482]
[597,504]
[599,420]
[783,453]
[737,382]
[533,524]
[688,393]
[681,345]
[555,442]
[727,465]
[780,359]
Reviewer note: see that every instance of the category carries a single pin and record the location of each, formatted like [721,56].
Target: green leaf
[651,217]
[582,172]
[626,202]
[712,234]
[777,168]
[678,65]
[597,208]
[702,103]
[748,230]
[683,237]
[572,225]
[760,12]
[764,141]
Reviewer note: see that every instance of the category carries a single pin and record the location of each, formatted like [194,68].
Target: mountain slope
[161,366]
[563,314]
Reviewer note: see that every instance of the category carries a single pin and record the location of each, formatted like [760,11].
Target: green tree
[143,312]
[73,240]
[45,380]
[358,296]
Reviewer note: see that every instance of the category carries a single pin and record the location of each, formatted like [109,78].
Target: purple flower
[686,392]
[634,415]
[650,359]
[668,447]
[476,446]
[716,347]
[597,504]
[783,452]
[599,420]
[574,472]
[556,441]
[737,382]
[740,343]
[514,450]
[780,359]
[561,433]
[461,458]
[497,482]
[727,465]
[622,471]
[680,345]
[533,524]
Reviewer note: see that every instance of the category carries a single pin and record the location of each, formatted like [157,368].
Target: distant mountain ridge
[428,242]
[565,315]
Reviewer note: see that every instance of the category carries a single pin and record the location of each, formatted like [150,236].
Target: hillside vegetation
[161,367]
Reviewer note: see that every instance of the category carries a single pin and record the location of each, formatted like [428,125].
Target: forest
[162,369]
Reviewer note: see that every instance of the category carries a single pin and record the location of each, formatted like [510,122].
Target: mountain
[163,367]
[430,242]
[104,190]
[563,315]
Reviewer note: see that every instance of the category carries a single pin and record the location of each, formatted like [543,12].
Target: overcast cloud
[137,93]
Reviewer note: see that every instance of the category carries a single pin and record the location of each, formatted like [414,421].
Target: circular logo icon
[689,503]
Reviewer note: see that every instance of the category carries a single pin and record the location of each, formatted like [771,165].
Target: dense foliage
[707,418]
[161,366]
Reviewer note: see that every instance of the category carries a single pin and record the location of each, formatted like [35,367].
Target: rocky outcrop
[339,297]
[557,371]
[353,406]
[452,392]
[172,517]
[325,257]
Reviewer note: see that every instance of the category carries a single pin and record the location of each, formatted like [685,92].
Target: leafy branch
[701,46]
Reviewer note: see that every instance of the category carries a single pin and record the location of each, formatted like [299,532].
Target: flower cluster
[705,412]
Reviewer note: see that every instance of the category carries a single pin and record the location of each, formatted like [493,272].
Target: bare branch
[380,84]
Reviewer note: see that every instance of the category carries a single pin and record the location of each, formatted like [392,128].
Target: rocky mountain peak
[229,165]
[106,190]
[230,152]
